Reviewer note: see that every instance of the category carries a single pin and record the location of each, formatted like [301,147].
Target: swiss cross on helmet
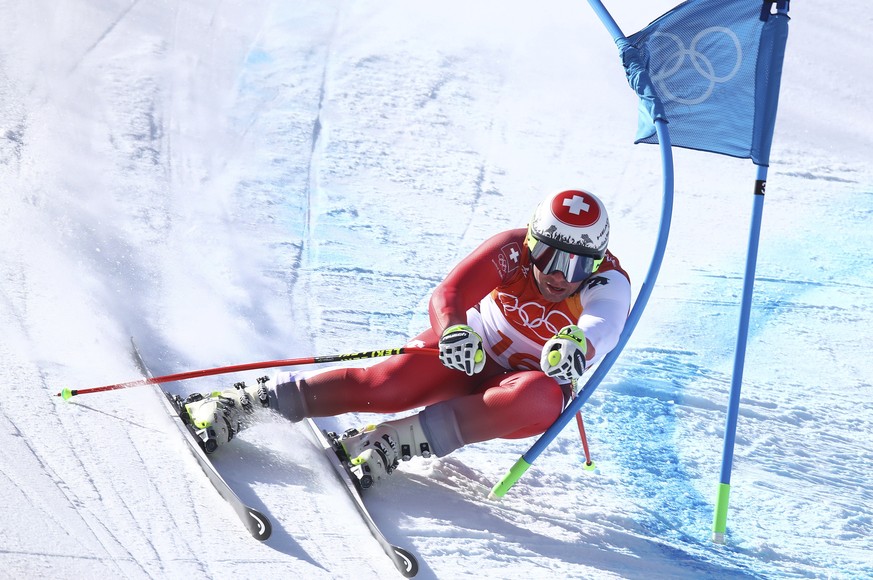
[569,232]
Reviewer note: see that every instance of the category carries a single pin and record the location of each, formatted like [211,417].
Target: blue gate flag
[709,63]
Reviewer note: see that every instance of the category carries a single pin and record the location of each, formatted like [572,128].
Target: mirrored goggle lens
[549,260]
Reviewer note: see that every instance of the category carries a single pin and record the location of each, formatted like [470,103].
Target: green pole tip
[590,466]
[66,393]
[719,523]
[509,479]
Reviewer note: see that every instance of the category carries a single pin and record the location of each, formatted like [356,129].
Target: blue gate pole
[525,461]
[733,411]
[774,70]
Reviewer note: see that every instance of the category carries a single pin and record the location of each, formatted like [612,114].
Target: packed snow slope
[240,181]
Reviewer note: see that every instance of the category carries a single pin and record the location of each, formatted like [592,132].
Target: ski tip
[406,562]
[259,525]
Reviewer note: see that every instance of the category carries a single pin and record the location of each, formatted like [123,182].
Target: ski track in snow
[234,182]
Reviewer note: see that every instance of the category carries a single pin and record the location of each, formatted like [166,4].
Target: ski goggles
[549,259]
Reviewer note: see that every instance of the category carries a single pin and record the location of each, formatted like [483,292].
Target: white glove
[563,355]
[461,349]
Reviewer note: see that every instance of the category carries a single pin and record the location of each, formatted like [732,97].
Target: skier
[517,323]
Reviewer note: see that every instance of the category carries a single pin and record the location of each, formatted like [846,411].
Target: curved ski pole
[641,83]
[67,393]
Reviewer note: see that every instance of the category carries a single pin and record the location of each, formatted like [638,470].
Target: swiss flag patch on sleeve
[509,258]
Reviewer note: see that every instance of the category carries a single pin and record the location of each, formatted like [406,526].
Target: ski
[403,559]
[258,524]
[255,522]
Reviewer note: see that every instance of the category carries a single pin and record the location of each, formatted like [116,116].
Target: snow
[240,181]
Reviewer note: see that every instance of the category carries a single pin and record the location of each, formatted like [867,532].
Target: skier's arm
[470,281]
[605,302]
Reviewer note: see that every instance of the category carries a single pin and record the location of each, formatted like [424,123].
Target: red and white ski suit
[511,397]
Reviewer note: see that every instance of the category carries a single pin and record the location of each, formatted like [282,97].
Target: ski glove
[461,349]
[563,355]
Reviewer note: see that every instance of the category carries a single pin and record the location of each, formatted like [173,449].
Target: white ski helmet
[569,232]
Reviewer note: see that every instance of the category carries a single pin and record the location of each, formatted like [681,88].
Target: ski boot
[217,417]
[375,451]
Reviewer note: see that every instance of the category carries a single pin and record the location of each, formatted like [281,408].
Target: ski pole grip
[517,470]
